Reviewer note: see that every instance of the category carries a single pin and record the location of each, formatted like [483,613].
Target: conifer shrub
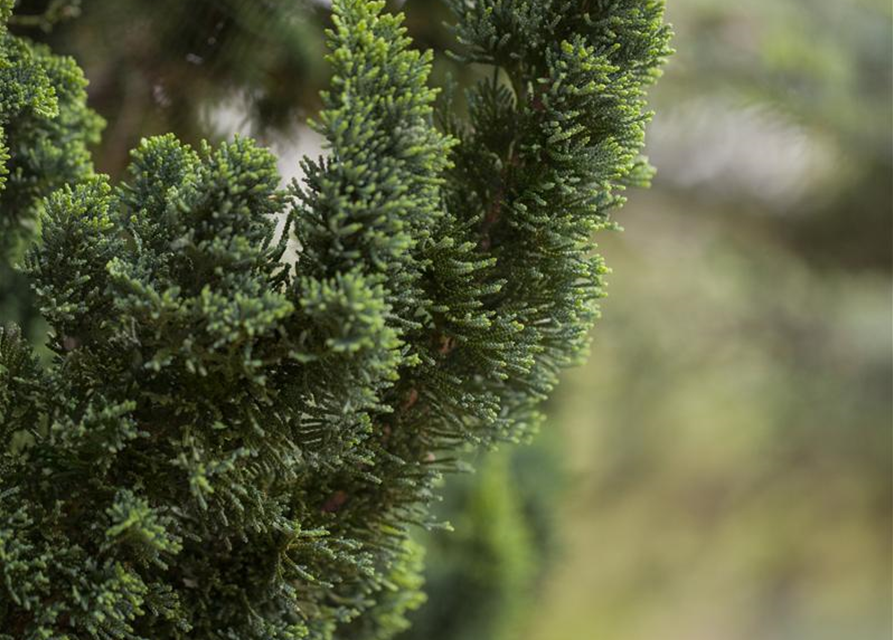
[230,445]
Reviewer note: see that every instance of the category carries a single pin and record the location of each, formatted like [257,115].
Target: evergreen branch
[226,447]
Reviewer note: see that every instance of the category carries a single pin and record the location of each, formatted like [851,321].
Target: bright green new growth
[227,446]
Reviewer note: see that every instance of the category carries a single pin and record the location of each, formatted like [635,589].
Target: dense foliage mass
[45,128]
[226,445]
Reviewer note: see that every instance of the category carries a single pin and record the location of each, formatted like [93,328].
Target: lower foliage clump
[229,446]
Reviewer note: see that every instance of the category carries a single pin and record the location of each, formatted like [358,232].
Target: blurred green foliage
[476,575]
[824,67]
[730,444]
[482,575]
[729,448]
[161,66]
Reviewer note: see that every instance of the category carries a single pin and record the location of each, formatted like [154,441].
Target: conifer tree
[228,446]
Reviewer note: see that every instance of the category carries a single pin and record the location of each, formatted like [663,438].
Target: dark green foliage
[481,578]
[540,163]
[230,446]
[45,128]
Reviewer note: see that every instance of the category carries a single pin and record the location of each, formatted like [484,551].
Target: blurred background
[721,468]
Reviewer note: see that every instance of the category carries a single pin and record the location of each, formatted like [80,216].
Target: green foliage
[730,412]
[229,446]
[831,79]
[45,128]
[481,577]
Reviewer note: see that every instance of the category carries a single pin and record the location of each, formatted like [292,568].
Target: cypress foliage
[229,446]
[45,128]
[44,132]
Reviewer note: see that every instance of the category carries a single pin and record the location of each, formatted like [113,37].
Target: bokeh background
[721,468]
